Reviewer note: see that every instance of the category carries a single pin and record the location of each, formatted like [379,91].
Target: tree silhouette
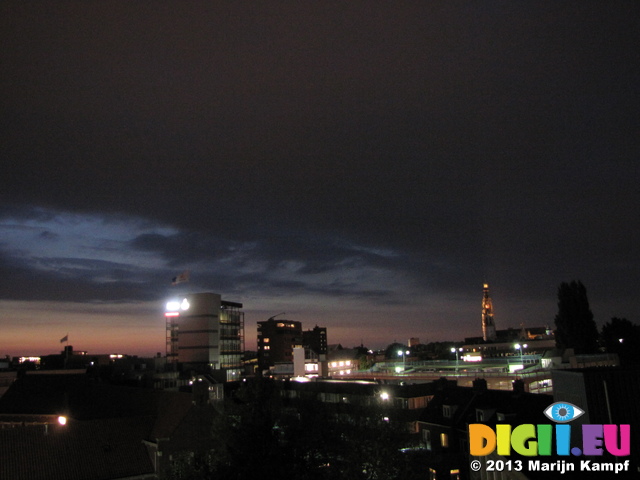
[259,433]
[622,337]
[391,352]
[575,326]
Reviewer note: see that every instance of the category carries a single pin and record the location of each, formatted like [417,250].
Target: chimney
[479,385]
[518,386]
[441,384]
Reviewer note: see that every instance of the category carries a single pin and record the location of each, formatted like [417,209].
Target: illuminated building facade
[488,327]
[203,329]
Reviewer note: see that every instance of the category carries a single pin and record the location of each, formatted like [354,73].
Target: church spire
[488,327]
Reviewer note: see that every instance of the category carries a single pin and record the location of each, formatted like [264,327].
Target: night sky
[364,166]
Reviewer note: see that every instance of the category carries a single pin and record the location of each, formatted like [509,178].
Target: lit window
[426,436]
[266,340]
[348,363]
[334,364]
[444,440]
[341,364]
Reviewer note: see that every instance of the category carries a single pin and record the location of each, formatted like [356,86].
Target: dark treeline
[576,327]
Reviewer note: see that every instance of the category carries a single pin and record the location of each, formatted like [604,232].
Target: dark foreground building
[70,427]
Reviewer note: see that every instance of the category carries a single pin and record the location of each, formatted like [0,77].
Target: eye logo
[563,412]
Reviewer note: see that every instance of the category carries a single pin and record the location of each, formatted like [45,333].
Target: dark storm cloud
[294,255]
[46,235]
[291,288]
[310,254]
[293,147]
[183,248]
[75,281]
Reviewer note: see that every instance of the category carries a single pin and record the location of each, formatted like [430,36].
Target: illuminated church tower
[488,327]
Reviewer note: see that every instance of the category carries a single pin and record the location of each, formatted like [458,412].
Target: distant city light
[35,360]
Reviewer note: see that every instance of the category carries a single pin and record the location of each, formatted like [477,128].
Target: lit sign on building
[472,357]
[35,360]
[174,307]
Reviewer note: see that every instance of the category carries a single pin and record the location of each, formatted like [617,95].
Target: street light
[456,350]
[521,348]
[403,353]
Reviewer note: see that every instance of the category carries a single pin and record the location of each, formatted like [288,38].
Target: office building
[205,331]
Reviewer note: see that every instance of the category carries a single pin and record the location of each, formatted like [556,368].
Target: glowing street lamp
[403,353]
[517,346]
[456,350]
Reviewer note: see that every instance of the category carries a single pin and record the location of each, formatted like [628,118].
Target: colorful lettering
[530,440]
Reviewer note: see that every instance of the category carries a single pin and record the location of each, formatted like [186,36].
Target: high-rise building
[315,340]
[488,327]
[204,330]
[276,341]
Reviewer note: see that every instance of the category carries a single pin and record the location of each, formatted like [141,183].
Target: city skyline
[364,167]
